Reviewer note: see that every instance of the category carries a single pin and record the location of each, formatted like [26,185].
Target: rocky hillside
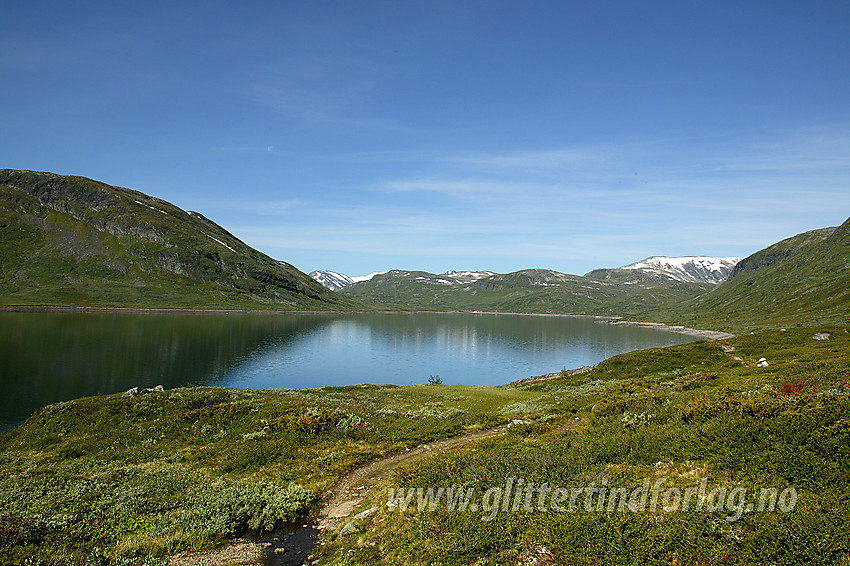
[73,241]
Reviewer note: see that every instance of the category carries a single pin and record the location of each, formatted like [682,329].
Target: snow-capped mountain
[689,269]
[331,279]
[334,281]
[651,271]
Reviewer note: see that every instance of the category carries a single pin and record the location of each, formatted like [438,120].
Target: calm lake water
[50,357]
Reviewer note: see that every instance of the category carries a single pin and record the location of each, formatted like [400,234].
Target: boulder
[135,391]
[364,514]
[130,393]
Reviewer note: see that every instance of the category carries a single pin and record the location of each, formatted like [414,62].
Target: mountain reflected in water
[49,357]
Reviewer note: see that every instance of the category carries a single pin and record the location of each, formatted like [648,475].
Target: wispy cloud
[321,89]
[247,149]
[581,207]
[536,160]
[808,150]
[460,187]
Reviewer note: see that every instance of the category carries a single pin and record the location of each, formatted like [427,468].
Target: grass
[128,480]
[189,468]
[684,413]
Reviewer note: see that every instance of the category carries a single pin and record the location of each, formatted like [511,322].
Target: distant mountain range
[530,290]
[803,279]
[335,281]
[72,241]
[658,270]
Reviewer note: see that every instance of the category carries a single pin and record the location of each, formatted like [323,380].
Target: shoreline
[697,333]
[602,319]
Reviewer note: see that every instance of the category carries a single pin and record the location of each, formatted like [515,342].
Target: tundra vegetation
[684,413]
[161,472]
[129,480]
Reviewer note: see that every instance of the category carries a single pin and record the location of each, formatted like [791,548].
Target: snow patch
[149,206]
[222,243]
[359,278]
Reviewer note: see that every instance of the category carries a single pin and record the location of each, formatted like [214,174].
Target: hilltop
[72,241]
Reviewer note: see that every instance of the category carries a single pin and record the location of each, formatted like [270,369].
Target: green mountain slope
[530,290]
[782,251]
[72,241]
[801,280]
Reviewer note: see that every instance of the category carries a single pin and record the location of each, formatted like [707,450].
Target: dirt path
[348,492]
[352,488]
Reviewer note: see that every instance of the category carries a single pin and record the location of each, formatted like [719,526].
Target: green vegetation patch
[162,472]
[688,414]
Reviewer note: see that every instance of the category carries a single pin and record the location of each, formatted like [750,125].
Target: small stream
[289,545]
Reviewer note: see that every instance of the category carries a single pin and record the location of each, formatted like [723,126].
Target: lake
[47,357]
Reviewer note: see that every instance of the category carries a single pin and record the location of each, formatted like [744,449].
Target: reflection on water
[50,357]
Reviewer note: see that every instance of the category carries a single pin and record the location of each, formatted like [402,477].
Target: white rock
[130,393]
[366,513]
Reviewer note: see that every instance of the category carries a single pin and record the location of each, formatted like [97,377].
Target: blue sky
[365,136]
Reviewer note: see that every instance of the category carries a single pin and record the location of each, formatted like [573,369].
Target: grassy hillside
[72,241]
[89,480]
[799,281]
[531,291]
[681,416]
[188,468]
